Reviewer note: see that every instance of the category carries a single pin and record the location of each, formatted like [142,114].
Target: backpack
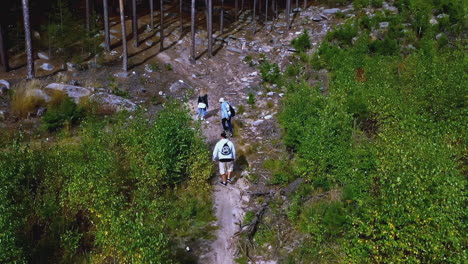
[232,111]
[226,150]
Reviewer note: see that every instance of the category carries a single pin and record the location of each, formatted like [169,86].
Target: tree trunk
[27,36]
[181,18]
[254,20]
[124,36]
[305,4]
[151,2]
[297,4]
[134,24]
[192,26]
[210,28]
[288,12]
[221,18]
[266,11]
[161,27]
[3,49]
[242,5]
[236,9]
[106,26]
[87,16]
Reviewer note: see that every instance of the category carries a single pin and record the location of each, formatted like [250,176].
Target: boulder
[4,83]
[74,92]
[114,102]
[317,18]
[47,67]
[42,55]
[41,111]
[331,11]
[40,94]
[268,117]
[257,122]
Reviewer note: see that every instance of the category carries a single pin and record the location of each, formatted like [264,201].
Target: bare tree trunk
[297,4]
[305,4]
[242,5]
[266,10]
[236,9]
[221,19]
[180,18]
[151,2]
[161,27]
[124,36]
[27,35]
[288,12]
[210,28]
[106,26]
[3,49]
[254,18]
[192,26]
[87,16]
[134,23]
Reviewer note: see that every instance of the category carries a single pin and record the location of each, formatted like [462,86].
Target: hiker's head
[221,100]
[202,91]
[223,134]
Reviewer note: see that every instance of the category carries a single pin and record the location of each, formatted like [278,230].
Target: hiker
[202,104]
[226,116]
[225,153]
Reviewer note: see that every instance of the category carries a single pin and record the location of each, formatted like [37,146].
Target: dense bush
[123,190]
[302,42]
[385,145]
[67,112]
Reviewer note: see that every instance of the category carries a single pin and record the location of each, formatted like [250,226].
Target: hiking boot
[229,180]
[223,183]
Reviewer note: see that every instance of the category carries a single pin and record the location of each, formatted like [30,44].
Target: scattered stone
[271,93]
[257,122]
[244,79]
[234,49]
[318,18]
[384,25]
[281,94]
[114,53]
[187,248]
[3,91]
[73,82]
[115,102]
[148,68]
[74,92]
[268,117]
[2,115]
[442,16]
[161,93]
[331,11]
[149,43]
[260,93]
[70,66]
[41,111]
[438,36]
[4,83]
[42,55]
[178,86]
[47,67]
[121,75]
[253,74]
[36,34]
[433,21]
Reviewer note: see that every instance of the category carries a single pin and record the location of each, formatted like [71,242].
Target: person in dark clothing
[226,116]
[202,104]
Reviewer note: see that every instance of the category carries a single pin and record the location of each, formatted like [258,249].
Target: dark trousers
[227,126]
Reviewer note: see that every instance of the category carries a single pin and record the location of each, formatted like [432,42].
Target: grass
[27,98]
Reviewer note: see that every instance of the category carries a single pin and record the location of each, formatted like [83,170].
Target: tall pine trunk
[124,36]
[221,18]
[27,36]
[236,9]
[288,12]
[192,27]
[87,15]
[210,28]
[254,17]
[106,26]
[151,2]
[3,49]
[266,10]
[134,23]
[161,26]
[305,4]
[181,18]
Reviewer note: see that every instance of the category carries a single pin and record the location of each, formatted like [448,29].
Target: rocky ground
[231,73]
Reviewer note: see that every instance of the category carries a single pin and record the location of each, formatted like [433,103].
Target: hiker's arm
[233,151]
[215,152]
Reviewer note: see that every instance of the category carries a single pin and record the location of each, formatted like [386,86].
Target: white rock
[5,83]
[268,117]
[384,25]
[47,67]
[271,93]
[42,55]
[74,92]
[253,74]
[433,21]
[257,122]
[116,102]
[149,43]
[281,94]
[160,93]
[331,11]
[438,36]
[38,94]
[259,93]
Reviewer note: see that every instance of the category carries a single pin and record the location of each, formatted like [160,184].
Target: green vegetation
[251,99]
[383,150]
[302,42]
[66,112]
[121,190]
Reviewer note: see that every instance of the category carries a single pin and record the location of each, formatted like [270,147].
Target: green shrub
[67,112]
[270,72]
[251,99]
[302,42]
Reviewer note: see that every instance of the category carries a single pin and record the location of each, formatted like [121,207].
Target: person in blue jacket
[226,117]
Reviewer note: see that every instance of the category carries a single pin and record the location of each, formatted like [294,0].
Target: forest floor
[232,74]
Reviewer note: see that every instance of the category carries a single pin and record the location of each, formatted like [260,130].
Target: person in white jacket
[225,153]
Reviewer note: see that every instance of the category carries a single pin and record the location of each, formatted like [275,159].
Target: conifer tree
[27,35]
[124,37]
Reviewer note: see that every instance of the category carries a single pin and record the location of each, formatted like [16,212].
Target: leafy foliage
[116,192]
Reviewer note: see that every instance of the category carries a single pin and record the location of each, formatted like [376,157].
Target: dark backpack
[232,111]
[226,150]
